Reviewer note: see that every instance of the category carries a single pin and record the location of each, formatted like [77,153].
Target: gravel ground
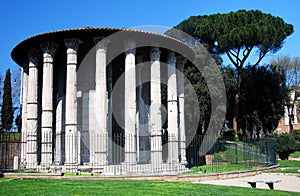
[289,182]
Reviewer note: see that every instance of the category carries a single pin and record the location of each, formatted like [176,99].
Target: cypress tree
[7,110]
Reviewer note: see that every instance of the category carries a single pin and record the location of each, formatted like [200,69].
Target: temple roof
[20,52]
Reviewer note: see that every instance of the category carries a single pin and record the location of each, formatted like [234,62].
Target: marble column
[142,115]
[130,103]
[47,104]
[181,121]
[60,131]
[32,111]
[99,153]
[71,135]
[24,116]
[109,113]
[155,108]
[172,109]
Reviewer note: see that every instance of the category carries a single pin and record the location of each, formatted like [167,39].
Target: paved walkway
[289,182]
[294,158]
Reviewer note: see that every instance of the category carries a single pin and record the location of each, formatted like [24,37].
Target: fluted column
[181,125]
[59,132]
[172,109]
[155,108]
[71,144]
[99,151]
[130,103]
[24,115]
[109,114]
[143,108]
[32,111]
[47,104]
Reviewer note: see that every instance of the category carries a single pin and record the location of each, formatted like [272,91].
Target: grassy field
[109,187]
[232,155]
[288,166]
[208,169]
[295,154]
[227,160]
[289,163]
[229,155]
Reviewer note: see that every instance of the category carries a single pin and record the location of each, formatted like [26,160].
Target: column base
[45,165]
[182,158]
[46,159]
[185,163]
[156,157]
[31,166]
[71,167]
[130,158]
[99,158]
[173,156]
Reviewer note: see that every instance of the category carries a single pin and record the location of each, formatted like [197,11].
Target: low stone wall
[189,178]
[226,175]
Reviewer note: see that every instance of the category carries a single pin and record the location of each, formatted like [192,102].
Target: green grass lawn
[234,156]
[229,155]
[288,166]
[114,187]
[295,154]
[208,169]
[289,163]
[227,160]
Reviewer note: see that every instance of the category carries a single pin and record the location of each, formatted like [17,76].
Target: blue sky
[22,19]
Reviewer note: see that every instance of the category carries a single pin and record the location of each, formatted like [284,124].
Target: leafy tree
[198,107]
[7,110]
[238,34]
[286,144]
[264,93]
[291,68]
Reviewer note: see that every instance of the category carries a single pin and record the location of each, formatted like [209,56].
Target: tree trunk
[237,102]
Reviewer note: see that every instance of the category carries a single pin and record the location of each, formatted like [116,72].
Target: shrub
[286,144]
[229,133]
[296,134]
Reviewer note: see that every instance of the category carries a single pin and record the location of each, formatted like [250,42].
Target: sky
[21,19]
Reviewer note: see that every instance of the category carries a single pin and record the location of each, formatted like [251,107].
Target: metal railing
[121,154]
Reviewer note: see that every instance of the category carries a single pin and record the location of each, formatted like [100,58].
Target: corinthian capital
[155,54]
[171,57]
[25,67]
[33,57]
[49,47]
[72,43]
[180,62]
[130,47]
[101,43]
